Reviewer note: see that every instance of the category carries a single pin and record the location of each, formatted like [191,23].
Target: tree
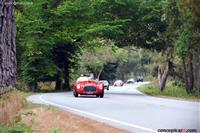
[58,31]
[63,55]
[103,52]
[138,64]
[186,45]
[8,63]
[152,34]
[57,36]
[34,44]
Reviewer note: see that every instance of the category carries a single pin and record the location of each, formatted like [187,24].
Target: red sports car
[85,86]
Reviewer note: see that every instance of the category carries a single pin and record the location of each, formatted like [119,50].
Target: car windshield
[82,79]
[104,81]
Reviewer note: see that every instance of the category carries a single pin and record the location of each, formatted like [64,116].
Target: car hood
[87,83]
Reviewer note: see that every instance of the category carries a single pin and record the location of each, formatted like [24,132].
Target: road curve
[127,108]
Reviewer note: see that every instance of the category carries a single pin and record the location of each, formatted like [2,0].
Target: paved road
[127,108]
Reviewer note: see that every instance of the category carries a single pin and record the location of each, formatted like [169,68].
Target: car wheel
[75,94]
[108,88]
[101,95]
[97,95]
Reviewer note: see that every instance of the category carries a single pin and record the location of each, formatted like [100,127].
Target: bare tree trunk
[33,87]
[95,74]
[66,85]
[191,74]
[188,74]
[8,61]
[196,64]
[99,74]
[185,74]
[159,74]
[162,77]
[58,81]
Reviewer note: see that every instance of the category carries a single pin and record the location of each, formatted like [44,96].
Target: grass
[171,90]
[52,120]
[19,116]
[10,104]
[17,128]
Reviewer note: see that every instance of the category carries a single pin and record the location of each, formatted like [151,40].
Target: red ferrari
[85,86]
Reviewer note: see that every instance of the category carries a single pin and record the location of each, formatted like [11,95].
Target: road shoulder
[49,119]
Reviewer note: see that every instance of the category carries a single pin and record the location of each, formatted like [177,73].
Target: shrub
[19,128]
[10,104]
[172,89]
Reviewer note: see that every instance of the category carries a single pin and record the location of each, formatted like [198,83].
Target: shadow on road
[87,96]
[128,94]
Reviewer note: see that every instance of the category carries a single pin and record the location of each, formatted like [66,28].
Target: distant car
[118,83]
[130,81]
[86,86]
[106,84]
[140,79]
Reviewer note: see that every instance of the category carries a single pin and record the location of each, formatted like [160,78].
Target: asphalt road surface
[127,108]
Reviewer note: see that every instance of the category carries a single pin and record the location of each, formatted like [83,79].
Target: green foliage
[150,26]
[138,63]
[172,90]
[36,69]
[49,39]
[19,128]
[102,52]
[149,78]
[55,130]
[58,39]
[35,43]
[185,43]
[38,38]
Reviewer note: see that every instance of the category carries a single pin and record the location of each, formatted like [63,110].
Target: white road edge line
[97,116]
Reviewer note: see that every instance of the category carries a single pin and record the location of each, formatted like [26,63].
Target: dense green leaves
[56,37]
[185,43]
[102,53]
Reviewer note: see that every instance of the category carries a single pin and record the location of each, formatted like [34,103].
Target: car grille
[89,88]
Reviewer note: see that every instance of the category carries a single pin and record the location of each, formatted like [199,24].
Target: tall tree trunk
[8,61]
[197,72]
[99,74]
[185,74]
[66,85]
[159,74]
[95,74]
[162,77]
[33,87]
[58,81]
[191,74]
[188,73]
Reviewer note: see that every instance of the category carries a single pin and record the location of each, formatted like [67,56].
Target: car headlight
[101,86]
[78,86]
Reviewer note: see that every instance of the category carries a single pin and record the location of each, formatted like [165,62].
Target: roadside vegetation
[172,90]
[19,116]
[51,120]
[10,106]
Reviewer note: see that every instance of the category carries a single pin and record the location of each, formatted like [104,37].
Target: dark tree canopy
[52,40]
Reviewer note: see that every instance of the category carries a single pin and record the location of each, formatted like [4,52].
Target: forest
[57,40]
